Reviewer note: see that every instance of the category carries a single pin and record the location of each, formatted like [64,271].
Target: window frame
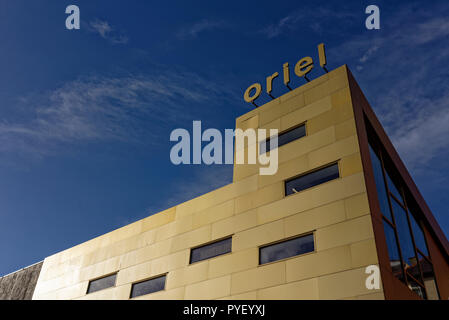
[148,279]
[337,162]
[313,233]
[209,243]
[101,277]
[267,140]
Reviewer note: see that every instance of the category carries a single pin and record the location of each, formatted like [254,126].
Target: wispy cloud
[314,19]
[193,31]
[404,62]
[97,108]
[106,31]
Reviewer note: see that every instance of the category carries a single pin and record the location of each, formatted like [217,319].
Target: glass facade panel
[312,179]
[286,249]
[211,250]
[380,185]
[148,286]
[285,137]
[393,189]
[102,283]
[405,238]
[393,251]
[418,236]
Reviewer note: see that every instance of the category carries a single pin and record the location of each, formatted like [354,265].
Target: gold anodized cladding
[302,68]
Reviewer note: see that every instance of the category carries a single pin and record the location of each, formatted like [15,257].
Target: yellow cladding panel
[350,165]
[300,290]
[173,294]
[252,295]
[345,233]
[147,253]
[154,267]
[344,284]
[234,224]
[171,262]
[320,263]
[210,215]
[311,198]
[302,147]
[308,112]
[357,206]
[218,196]
[333,152]
[191,239]
[210,289]
[325,88]
[114,293]
[260,277]
[372,296]
[97,270]
[315,218]
[250,123]
[345,129]
[259,235]
[341,112]
[363,253]
[234,262]
[285,170]
[260,197]
[278,110]
[190,274]
[134,273]
[159,219]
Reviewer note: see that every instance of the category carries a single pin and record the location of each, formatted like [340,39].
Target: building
[341,201]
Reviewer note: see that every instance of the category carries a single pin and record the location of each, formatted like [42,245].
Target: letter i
[286,75]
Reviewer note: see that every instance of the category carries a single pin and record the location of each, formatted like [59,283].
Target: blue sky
[86,115]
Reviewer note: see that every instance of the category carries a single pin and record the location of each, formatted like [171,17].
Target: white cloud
[403,63]
[195,29]
[104,29]
[95,108]
[316,19]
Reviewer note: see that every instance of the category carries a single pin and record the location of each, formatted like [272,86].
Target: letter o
[256,95]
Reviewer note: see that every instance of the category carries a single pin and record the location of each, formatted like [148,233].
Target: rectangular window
[286,249]
[211,250]
[285,137]
[311,179]
[102,283]
[148,286]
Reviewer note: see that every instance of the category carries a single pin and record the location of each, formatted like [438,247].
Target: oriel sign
[302,68]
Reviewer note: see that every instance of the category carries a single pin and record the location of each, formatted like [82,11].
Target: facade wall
[255,211]
[20,285]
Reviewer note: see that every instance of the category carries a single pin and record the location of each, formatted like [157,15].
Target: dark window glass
[418,235]
[393,250]
[211,250]
[286,249]
[393,189]
[284,138]
[102,283]
[405,238]
[148,286]
[311,179]
[380,185]
[429,279]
